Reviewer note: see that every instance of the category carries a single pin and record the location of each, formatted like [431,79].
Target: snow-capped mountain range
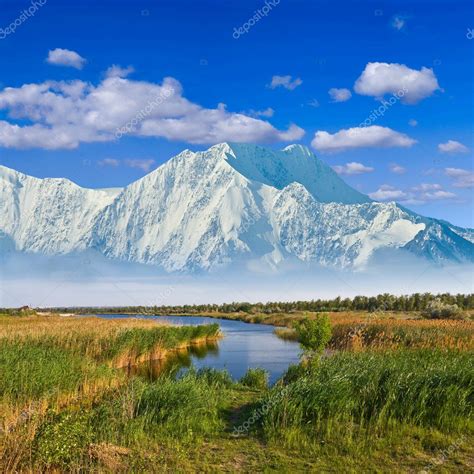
[230,203]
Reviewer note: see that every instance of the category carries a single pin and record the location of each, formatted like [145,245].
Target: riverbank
[355,330]
[47,361]
[362,410]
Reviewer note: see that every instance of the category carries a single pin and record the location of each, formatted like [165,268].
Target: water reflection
[174,363]
[243,346]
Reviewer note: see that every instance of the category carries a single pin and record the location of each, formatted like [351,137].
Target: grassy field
[399,400]
[356,332]
[50,363]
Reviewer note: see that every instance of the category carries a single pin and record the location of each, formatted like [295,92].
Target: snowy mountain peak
[278,168]
[232,202]
[10,175]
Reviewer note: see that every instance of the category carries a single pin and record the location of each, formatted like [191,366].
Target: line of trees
[383,302]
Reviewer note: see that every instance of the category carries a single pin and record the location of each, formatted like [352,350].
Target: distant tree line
[383,302]
[23,311]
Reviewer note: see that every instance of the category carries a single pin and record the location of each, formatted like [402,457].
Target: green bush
[293,373]
[438,310]
[214,377]
[62,439]
[255,378]
[314,334]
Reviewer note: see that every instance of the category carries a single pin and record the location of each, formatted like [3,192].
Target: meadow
[393,394]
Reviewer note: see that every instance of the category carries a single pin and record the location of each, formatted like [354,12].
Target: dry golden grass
[358,331]
[53,361]
[413,333]
[38,327]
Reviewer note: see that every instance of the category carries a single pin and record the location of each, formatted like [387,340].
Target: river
[243,346]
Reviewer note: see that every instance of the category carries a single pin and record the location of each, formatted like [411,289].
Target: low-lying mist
[90,279]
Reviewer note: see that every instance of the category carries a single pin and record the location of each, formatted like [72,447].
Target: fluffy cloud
[314,103]
[421,194]
[65,114]
[452,146]
[461,178]
[268,112]
[118,71]
[397,169]
[144,165]
[339,95]
[65,57]
[352,168]
[360,137]
[424,187]
[379,79]
[387,193]
[413,122]
[439,195]
[285,81]
[109,162]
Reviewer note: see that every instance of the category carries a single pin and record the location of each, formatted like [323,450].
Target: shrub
[62,439]
[255,378]
[438,310]
[314,334]
[293,373]
[214,377]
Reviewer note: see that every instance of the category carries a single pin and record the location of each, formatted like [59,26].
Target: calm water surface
[243,346]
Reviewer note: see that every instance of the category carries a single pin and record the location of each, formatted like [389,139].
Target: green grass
[397,410]
[255,378]
[358,396]
[33,367]
[345,416]
[143,341]
[31,370]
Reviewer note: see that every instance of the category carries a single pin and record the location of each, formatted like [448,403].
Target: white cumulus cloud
[461,178]
[374,136]
[339,95]
[65,57]
[379,79]
[118,71]
[387,193]
[352,168]
[423,187]
[452,146]
[144,165]
[421,194]
[397,169]
[109,162]
[63,114]
[268,112]
[285,81]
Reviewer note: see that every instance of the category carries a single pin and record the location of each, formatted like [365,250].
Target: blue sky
[419,152]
